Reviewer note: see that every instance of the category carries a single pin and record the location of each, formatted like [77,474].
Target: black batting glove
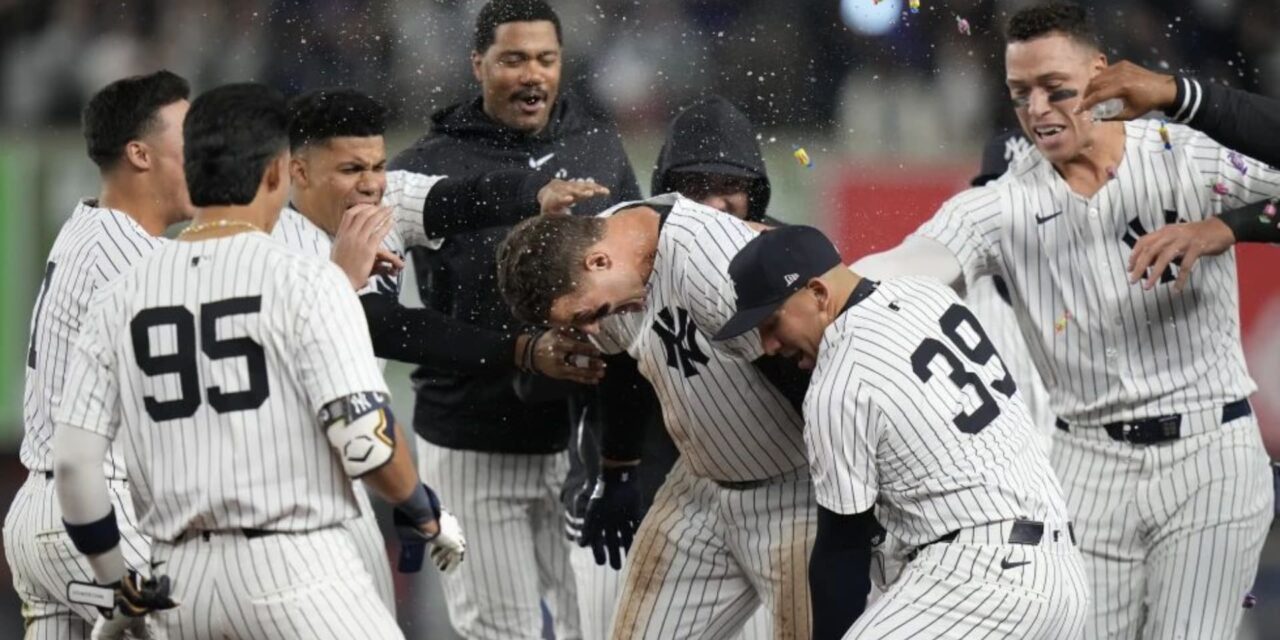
[613,514]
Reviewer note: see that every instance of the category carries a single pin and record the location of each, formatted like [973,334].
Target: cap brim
[746,320]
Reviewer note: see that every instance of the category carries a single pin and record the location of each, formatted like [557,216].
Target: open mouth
[1048,133]
[530,101]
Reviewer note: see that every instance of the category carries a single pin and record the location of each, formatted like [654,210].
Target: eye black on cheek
[1063,94]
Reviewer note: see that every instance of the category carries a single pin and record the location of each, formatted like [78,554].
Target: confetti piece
[802,157]
[1164,135]
[914,5]
[1237,161]
[1250,600]
[962,26]
[1060,324]
[1220,188]
[1270,209]
[1111,173]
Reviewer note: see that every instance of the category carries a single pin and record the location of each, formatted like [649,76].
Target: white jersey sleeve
[1243,180]
[95,404]
[843,425]
[406,193]
[704,279]
[618,332]
[970,225]
[333,354]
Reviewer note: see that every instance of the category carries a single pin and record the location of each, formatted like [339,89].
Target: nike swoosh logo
[1005,565]
[536,164]
[1044,219]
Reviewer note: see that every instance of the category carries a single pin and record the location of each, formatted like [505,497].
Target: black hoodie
[482,411]
[713,136]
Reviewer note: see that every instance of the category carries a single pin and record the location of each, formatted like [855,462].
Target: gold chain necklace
[220,224]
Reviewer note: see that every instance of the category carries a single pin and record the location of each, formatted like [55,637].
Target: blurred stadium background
[891,106]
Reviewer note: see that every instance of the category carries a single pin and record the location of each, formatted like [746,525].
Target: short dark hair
[230,135]
[538,260]
[126,110]
[499,12]
[319,115]
[1067,18]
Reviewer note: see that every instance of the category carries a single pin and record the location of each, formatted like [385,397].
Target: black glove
[613,513]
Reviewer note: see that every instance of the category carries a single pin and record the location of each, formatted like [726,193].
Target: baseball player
[732,526]
[343,193]
[912,410]
[133,131]
[240,378]
[1157,449]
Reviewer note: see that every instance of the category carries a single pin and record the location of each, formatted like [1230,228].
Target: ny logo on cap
[790,278]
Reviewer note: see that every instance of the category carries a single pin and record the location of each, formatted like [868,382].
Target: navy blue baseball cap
[774,265]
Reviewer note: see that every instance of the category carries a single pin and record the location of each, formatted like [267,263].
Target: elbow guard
[362,429]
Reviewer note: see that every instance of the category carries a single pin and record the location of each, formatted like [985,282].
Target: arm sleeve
[843,428]
[426,336]
[706,288]
[83,493]
[332,351]
[1250,224]
[628,404]
[839,571]
[916,256]
[1234,118]
[969,226]
[455,205]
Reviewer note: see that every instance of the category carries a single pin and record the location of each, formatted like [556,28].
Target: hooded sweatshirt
[482,412]
[713,136]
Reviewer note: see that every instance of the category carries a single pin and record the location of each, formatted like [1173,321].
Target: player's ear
[819,290]
[138,155]
[298,170]
[476,59]
[598,261]
[277,174]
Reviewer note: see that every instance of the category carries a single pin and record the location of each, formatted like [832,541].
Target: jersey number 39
[183,361]
[979,354]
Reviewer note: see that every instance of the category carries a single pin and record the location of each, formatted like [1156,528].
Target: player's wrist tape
[422,506]
[362,429]
[1250,223]
[95,537]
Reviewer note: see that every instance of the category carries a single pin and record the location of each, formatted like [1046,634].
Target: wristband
[421,506]
[1255,222]
[95,537]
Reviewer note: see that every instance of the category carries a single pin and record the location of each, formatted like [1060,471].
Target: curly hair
[538,262]
[1067,18]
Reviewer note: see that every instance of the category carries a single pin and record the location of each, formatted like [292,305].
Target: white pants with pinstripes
[706,557]
[283,586]
[371,548]
[1171,533]
[43,559]
[517,554]
[962,590]
[600,586]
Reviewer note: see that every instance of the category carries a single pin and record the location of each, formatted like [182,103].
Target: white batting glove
[449,547]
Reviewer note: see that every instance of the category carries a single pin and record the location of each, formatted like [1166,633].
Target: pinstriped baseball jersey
[405,192]
[1108,350]
[213,359]
[93,248]
[912,410]
[728,421]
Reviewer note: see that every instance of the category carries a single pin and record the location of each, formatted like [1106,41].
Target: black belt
[744,485]
[1028,532]
[48,475]
[205,534]
[1161,428]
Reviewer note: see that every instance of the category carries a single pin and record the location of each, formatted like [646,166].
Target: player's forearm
[497,198]
[839,571]
[396,480]
[426,336]
[916,256]
[1251,223]
[83,498]
[1230,116]
[628,403]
